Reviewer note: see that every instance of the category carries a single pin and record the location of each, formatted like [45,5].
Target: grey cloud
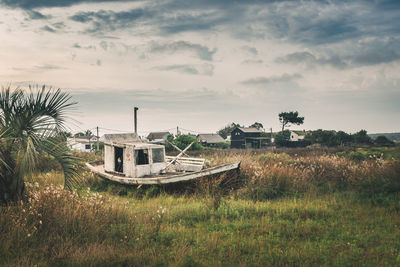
[30,4]
[107,20]
[48,29]
[249,49]
[203,52]
[252,62]
[363,54]
[274,79]
[189,22]
[311,60]
[59,25]
[157,99]
[36,15]
[77,45]
[40,68]
[321,23]
[204,69]
[377,51]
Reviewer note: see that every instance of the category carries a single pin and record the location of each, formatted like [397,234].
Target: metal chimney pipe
[135,118]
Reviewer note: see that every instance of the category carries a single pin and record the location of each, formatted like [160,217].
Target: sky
[201,65]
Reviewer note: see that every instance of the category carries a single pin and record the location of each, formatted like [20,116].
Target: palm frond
[32,121]
[69,164]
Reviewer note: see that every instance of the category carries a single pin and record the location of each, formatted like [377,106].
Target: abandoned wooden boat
[128,160]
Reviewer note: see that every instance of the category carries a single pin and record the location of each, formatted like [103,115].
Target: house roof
[157,135]
[210,138]
[122,138]
[85,137]
[249,130]
[82,139]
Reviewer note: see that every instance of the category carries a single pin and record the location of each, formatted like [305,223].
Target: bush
[182,141]
[356,155]
[223,145]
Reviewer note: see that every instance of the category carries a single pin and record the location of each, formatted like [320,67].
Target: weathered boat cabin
[127,155]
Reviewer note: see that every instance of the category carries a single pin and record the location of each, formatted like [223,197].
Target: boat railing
[186,163]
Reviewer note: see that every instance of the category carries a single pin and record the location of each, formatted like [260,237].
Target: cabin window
[142,156]
[158,155]
[87,146]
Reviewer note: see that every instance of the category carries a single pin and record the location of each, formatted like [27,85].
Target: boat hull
[98,168]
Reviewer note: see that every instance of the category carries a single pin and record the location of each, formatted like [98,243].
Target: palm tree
[30,126]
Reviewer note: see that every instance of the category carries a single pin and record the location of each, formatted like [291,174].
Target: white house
[297,135]
[158,137]
[82,143]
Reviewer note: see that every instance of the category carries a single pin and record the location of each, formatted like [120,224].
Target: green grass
[339,229]
[306,224]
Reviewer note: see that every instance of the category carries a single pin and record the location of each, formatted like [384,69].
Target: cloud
[40,68]
[48,29]
[77,45]
[311,60]
[252,62]
[274,79]
[29,4]
[107,20]
[367,53]
[204,69]
[36,15]
[59,25]
[377,51]
[203,52]
[250,50]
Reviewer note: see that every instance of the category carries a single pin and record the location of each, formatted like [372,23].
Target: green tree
[257,125]
[361,137]
[323,137]
[226,131]
[290,117]
[168,146]
[282,138]
[344,138]
[30,124]
[183,140]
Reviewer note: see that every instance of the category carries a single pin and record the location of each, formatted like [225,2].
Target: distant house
[209,139]
[297,135]
[158,137]
[242,137]
[82,143]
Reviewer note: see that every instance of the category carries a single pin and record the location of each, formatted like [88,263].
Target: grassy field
[291,208]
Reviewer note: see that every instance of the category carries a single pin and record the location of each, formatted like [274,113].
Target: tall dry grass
[60,225]
[270,175]
[213,222]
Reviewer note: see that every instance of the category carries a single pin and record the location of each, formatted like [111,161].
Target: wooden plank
[180,154]
[194,159]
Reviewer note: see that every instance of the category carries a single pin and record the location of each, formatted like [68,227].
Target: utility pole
[135,118]
[97,135]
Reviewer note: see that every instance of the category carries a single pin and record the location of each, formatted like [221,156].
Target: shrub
[356,155]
